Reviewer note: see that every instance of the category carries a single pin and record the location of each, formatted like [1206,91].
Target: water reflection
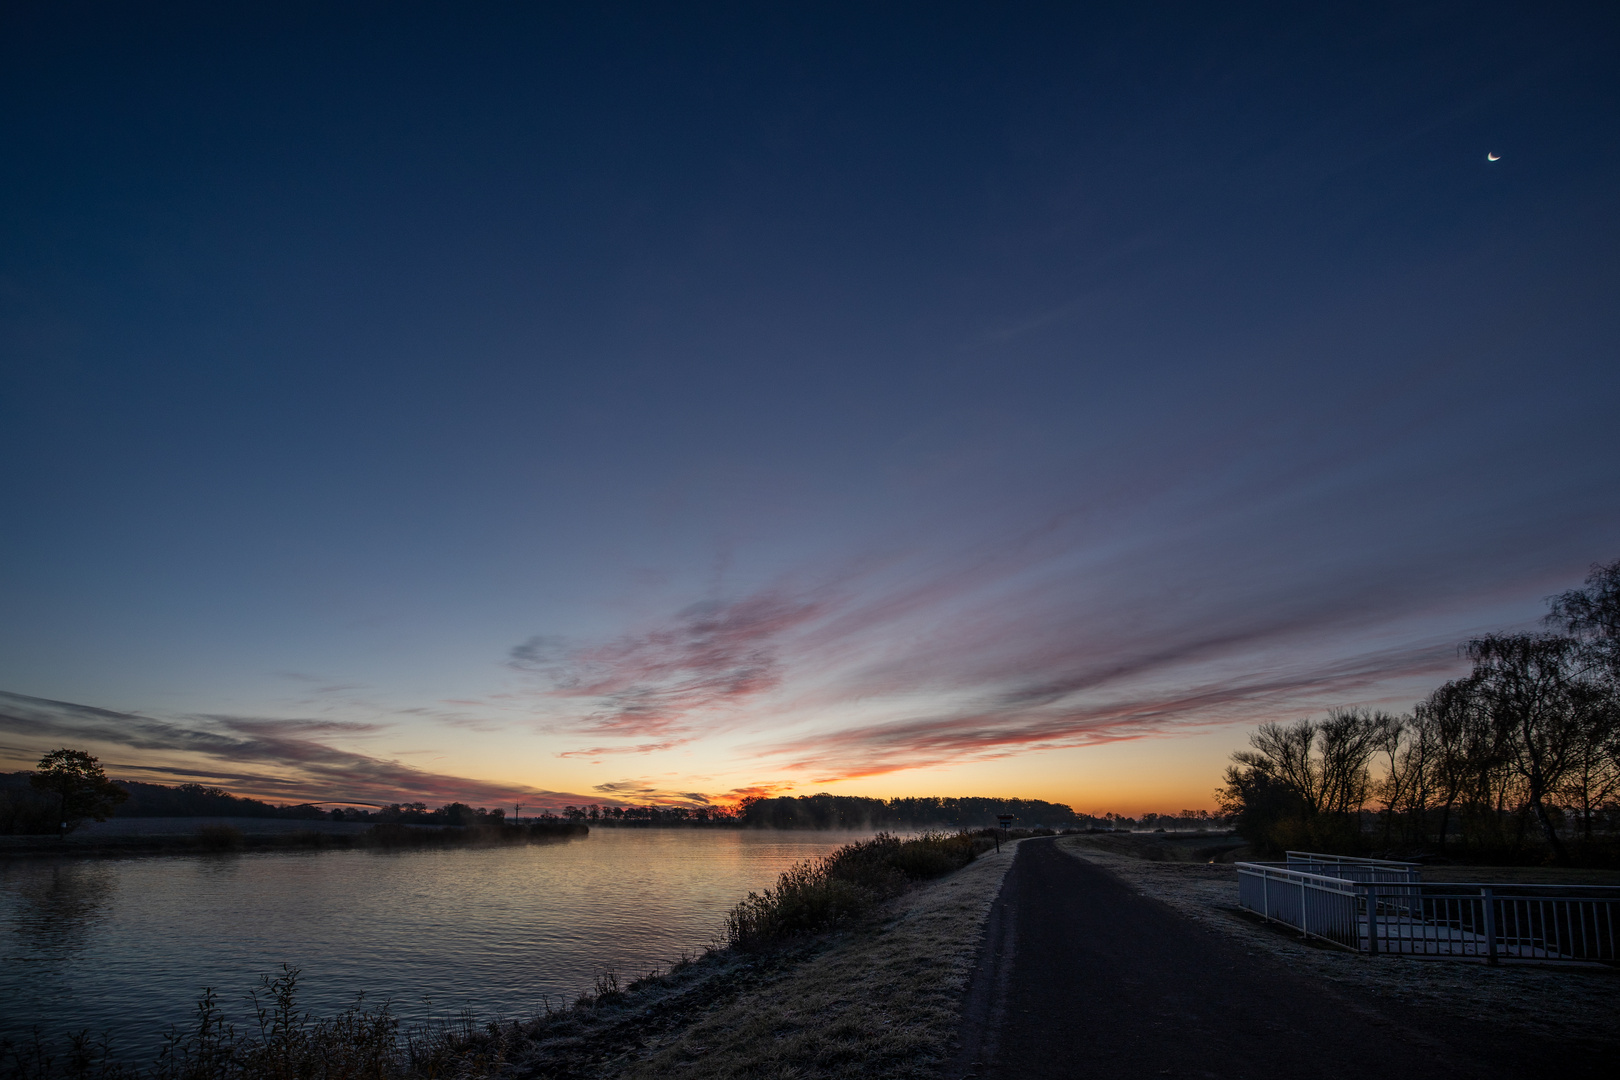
[50,917]
[56,908]
[125,946]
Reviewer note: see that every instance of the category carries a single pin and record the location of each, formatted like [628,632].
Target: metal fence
[1324,907]
[1526,922]
[1403,916]
[1348,868]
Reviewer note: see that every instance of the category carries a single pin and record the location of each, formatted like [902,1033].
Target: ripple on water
[125,946]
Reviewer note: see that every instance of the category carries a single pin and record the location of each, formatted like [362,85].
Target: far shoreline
[226,835]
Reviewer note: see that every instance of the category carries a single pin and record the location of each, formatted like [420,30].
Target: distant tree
[82,789]
[456,813]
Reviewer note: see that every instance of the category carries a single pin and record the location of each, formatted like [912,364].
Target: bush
[832,891]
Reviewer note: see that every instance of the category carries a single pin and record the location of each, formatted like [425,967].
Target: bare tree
[1405,789]
[1283,752]
[1592,613]
[1525,683]
[1349,738]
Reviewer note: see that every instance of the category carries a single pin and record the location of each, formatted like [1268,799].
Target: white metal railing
[1525,922]
[1349,868]
[1402,915]
[1318,905]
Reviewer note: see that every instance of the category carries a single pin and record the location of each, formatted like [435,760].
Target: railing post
[1488,898]
[1372,920]
[1265,893]
[1304,923]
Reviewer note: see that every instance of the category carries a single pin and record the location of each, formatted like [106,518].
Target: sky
[544,404]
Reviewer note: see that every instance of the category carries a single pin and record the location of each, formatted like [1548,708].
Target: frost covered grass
[833,891]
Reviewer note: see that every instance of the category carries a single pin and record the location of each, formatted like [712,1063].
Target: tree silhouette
[77,780]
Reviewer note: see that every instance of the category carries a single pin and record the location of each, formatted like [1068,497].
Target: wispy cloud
[275,758]
[671,680]
[1059,720]
[646,793]
[1039,643]
[637,748]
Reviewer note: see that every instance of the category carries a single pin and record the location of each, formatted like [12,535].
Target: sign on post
[1005,820]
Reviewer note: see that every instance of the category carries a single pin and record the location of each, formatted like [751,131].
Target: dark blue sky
[668,399]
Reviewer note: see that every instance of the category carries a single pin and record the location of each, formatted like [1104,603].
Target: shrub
[832,891]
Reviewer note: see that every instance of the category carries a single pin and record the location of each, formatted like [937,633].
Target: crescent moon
[1493,157]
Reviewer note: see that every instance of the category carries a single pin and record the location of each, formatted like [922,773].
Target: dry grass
[839,889]
[1581,1003]
[880,1000]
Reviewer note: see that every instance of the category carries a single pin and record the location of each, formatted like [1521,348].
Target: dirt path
[1081,976]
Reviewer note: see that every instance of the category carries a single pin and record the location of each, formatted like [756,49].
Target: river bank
[878,997]
[148,836]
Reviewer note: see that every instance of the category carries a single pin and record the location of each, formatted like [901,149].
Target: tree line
[1517,761]
[824,811]
[70,788]
[857,812]
[31,804]
[853,812]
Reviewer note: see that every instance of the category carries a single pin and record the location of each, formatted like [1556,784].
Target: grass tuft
[831,892]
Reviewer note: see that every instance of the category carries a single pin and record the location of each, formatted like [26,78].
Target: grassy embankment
[844,969]
[216,837]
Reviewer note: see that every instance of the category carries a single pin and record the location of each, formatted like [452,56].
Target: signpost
[1006,820]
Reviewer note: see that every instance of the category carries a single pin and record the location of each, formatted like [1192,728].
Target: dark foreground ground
[1082,977]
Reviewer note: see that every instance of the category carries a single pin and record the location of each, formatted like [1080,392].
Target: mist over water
[126,946]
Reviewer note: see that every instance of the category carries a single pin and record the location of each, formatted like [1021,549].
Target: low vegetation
[826,893]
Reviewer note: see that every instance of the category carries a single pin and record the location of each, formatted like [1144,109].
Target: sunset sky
[621,403]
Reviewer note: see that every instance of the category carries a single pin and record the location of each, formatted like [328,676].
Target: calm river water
[126,945]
